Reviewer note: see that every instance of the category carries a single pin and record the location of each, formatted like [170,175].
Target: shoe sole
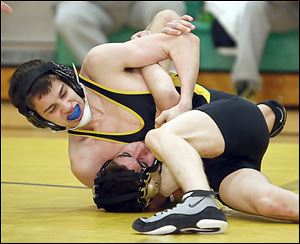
[209,226]
[204,226]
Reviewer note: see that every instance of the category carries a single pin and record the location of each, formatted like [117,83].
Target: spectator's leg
[82,25]
[254,28]
[258,20]
[283,15]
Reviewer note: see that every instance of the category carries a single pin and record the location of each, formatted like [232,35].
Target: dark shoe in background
[245,89]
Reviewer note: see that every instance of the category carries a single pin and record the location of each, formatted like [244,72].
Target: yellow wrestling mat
[42,201]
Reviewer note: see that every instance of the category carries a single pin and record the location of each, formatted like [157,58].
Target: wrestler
[109,104]
[213,150]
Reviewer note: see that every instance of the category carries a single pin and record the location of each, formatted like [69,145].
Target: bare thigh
[238,189]
[200,130]
[249,191]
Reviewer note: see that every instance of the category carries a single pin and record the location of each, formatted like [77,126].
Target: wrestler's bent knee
[155,137]
[167,15]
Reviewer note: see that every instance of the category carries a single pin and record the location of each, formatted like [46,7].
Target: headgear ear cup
[39,122]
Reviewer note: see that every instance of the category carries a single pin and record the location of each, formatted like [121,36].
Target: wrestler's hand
[140,34]
[5,8]
[175,27]
[179,26]
[169,114]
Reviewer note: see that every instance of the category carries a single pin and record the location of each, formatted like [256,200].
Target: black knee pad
[280,116]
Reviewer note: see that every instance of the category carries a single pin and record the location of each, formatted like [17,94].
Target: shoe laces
[168,210]
[179,204]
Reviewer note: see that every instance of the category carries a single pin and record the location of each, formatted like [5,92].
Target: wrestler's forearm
[187,62]
[186,58]
[161,86]
[185,53]
[156,77]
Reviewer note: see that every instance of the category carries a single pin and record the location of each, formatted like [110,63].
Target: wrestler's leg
[179,147]
[249,191]
[198,210]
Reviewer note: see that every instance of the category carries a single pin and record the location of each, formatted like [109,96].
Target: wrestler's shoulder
[75,140]
[101,57]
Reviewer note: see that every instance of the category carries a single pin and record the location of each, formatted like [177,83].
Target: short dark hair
[41,87]
[114,187]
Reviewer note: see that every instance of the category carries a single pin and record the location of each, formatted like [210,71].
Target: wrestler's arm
[156,76]
[161,86]
[184,51]
[116,57]
[84,159]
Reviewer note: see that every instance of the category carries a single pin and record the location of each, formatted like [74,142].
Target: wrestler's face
[61,105]
[134,156]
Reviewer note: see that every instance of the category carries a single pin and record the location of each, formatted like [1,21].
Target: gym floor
[42,201]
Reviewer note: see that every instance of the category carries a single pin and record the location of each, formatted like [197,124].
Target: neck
[87,114]
[96,112]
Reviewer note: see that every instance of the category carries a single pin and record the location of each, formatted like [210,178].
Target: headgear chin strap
[86,117]
[66,74]
[140,198]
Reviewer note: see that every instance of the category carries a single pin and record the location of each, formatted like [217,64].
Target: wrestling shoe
[197,213]
[280,116]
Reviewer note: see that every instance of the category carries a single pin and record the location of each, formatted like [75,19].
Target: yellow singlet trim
[200,90]
[118,104]
[113,90]
[176,81]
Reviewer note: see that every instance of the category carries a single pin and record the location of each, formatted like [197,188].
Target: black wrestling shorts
[246,137]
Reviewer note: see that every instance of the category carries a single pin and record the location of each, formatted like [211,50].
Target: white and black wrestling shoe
[197,213]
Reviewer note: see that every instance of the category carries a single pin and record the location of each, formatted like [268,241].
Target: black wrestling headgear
[66,74]
[132,199]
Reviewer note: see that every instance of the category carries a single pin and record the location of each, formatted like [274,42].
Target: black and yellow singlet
[140,104]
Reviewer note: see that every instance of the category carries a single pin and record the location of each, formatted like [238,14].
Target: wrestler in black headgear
[65,73]
[117,189]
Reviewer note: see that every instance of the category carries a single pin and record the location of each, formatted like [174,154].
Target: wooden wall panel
[282,87]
